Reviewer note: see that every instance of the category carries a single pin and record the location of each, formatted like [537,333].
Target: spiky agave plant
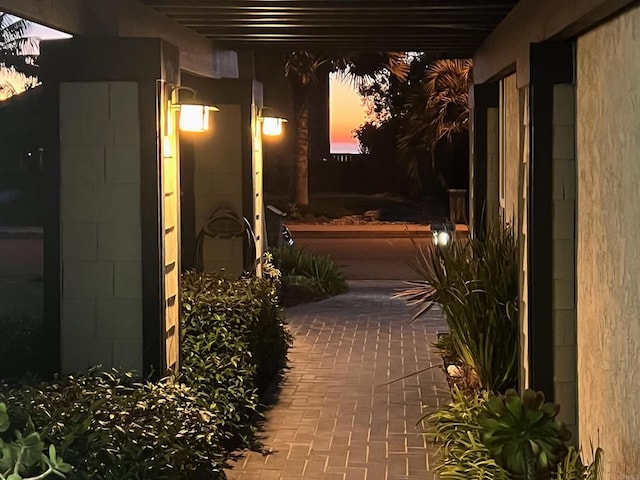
[523,434]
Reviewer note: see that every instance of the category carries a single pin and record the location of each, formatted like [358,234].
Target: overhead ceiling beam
[126,18]
[534,21]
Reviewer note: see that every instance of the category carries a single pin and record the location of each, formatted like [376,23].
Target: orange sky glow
[346,113]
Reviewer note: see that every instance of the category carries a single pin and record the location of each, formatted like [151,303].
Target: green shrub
[109,427]
[476,283]
[230,326]
[307,276]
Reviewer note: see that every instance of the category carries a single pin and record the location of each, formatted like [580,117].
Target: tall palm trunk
[301,167]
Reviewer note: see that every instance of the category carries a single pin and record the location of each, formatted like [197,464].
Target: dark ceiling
[452,28]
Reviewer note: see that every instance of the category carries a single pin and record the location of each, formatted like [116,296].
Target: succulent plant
[523,434]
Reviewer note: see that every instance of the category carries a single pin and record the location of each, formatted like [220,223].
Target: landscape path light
[443,233]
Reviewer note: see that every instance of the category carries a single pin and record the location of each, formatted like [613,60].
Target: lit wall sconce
[443,233]
[271,121]
[194,115]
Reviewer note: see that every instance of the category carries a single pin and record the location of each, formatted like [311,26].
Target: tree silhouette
[302,69]
[18,56]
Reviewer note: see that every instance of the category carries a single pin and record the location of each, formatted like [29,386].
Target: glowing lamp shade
[271,121]
[272,126]
[195,118]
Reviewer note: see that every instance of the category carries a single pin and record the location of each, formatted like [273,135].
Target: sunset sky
[346,113]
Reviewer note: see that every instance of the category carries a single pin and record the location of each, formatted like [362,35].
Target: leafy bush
[483,435]
[231,326]
[22,457]
[110,427]
[307,276]
[476,283]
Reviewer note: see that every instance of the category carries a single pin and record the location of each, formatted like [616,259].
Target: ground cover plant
[114,426]
[306,276]
[505,437]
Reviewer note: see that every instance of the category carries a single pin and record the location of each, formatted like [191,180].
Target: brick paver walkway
[336,417]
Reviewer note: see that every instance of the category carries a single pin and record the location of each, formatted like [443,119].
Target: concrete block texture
[119,242]
[79,241]
[122,164]
[101,233]
[78,203]
[564,179]
[87,279]
[79,317]
[564,223]
[608,146]
[119,318]
[127,281]
[118,204]
[564,141]
[82,164]
[564,262]
[564,327]
[84,102]
[564,105]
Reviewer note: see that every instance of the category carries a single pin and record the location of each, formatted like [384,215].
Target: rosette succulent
[523,434]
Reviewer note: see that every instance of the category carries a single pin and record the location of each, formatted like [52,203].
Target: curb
[20,232]
[366,231]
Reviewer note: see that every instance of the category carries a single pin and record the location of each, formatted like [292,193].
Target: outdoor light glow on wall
[271,121]
[194,116]
[442,233]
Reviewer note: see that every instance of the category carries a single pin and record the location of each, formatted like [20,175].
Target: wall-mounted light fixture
[194,115]
[443,233]
[271,121]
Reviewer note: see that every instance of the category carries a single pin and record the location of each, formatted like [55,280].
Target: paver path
[336,416]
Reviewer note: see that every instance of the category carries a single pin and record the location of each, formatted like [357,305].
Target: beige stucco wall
[218,178]
[101,318]
[608,261]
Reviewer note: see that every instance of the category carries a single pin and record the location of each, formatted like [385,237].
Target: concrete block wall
[564,252]
[493,165]
[101,318]
[608,260]
[218,178]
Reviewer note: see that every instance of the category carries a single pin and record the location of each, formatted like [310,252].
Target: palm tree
[18,56]
[437,110]
[16,49]
[447,88]
[302,69]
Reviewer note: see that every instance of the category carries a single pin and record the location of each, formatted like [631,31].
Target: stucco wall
[608,261]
